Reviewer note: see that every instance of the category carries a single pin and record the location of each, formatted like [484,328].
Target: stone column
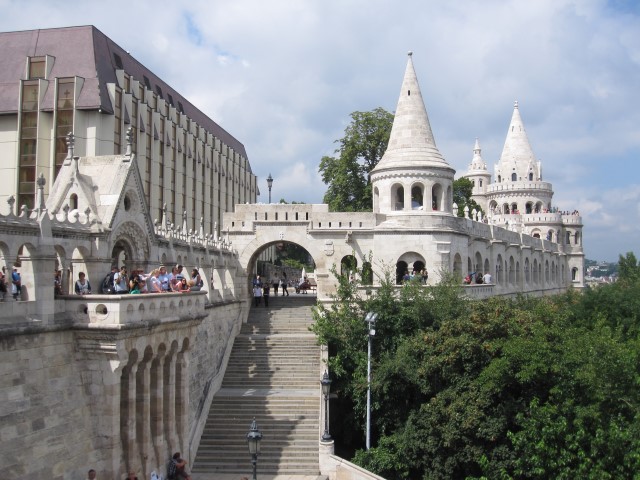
[143,429]
[169,398]
[157,408]
[182,401]
[128,411]
[36,272]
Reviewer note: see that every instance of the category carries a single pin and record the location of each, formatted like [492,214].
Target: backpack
[106,286]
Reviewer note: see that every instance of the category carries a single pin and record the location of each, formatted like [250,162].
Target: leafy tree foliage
[501,388]
[629,268]
[462,190]
[347,175]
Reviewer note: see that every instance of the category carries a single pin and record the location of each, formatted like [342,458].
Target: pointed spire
[517,154]
[411,143]
[477,163]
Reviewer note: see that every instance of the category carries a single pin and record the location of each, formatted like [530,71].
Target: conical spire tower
[412,175]
[411,143]
[517,162]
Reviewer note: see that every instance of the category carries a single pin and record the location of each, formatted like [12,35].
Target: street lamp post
[371,324]
[270,184]
[326,388]
[253,439]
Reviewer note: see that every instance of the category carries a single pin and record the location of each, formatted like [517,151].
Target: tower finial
[515,104]
[410,53]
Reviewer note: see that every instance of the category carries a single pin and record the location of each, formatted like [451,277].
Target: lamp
[270,184]
[371,323]
[325,382]
[253,439]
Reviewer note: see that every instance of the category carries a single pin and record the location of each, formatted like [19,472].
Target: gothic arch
[130,239]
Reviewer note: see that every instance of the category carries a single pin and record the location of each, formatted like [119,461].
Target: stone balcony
[127,310]
[105,311]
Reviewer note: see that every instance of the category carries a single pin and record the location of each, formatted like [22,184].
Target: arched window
[457,265]
[436,197]
[499,178]
[348,265]
[574,274]
[514,177]
[530,176]
[576,238]
[367,274]
[398,197]
[416,197]
[529,207]
[73,200]
[401,270]
[568,238]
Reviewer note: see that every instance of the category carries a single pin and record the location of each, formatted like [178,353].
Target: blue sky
[284,75]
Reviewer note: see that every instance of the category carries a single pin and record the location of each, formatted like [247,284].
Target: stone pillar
[182,402]
[157,408]
[36,272]
[128,430]
[143,429]
[169,398]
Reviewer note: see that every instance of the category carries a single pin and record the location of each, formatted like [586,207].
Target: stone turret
[517,185]
[479,175]
[412,176]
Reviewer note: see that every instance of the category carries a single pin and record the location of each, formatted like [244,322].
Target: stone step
[272,375]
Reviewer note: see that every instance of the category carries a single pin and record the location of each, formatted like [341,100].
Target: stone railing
[518,186]
[119,310]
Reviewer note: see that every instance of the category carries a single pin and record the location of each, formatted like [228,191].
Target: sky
[283,77]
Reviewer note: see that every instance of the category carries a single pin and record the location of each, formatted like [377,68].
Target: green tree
[629,268]
[348,174]
[500,388]
[462,189]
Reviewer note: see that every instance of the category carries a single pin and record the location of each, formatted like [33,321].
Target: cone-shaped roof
[517,152]
[477,163]
[411,144]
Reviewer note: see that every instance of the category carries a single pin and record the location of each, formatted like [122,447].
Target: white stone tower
[412,177]
[479,176]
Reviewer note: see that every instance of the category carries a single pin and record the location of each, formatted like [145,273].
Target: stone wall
[45,407]
[64,389]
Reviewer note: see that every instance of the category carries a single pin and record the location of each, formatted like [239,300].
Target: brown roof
[88,53]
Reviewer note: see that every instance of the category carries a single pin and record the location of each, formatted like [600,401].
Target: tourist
[177,468]
[91,474]
[275,282]
[196,281]
[180,268]
[121,281]
[16,283]
[174,280]
[83,287]
[425,276]
[257,294]
[265,294]
[132,475]
[164,278]
[257,281]
[183,285]
[3,285]
[487,278]
[283,285]
[57,283]
[154,282]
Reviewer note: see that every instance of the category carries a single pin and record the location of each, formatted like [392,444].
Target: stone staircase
[273,375]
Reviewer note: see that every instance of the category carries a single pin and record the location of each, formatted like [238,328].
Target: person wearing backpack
[106,287]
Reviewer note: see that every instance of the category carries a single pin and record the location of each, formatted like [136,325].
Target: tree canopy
[348,174]
[501,388]
[462,190]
